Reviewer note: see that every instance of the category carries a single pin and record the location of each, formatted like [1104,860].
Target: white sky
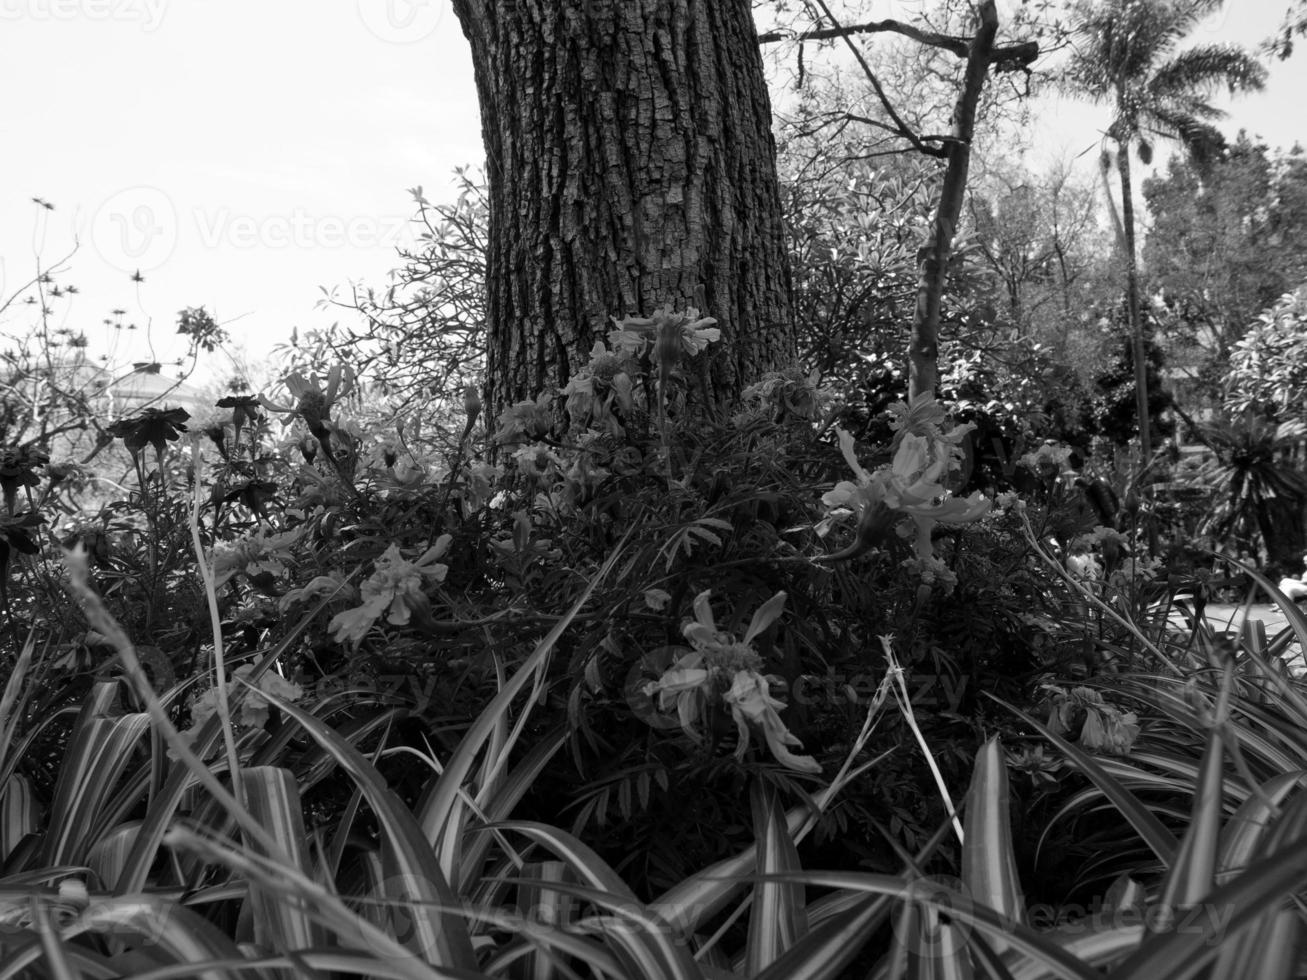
[242,153]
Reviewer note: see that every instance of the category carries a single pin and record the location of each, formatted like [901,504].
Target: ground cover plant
[624,682]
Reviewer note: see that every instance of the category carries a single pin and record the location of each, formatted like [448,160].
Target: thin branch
[1008,57]
[903,129]
[955,45]
[866,121]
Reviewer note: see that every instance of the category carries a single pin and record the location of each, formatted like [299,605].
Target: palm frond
[1201,140]
[1205,69]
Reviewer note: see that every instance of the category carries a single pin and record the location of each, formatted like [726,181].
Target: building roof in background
[130,391]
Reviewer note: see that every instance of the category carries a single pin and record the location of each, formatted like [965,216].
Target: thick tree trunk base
[631,166]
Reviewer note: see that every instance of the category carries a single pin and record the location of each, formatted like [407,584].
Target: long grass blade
[273,799]
[99,752]
[777,918]
[414,878]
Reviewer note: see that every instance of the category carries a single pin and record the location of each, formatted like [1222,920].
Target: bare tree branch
[1004,58]
[956,45]
[903,129]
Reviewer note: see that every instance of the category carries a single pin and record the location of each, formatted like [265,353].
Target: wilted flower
[253,709]
[525,421]
[790,394]
[912,484]
[1108,729]
[721,664]
[244,410]
[154,426]
[393,590]
[1105,727]
[596,388]
[18,465]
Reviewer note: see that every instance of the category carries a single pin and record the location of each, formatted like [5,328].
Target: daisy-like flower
[722,666]
[393,590]
[1040,768]
[670,332]
[313,403]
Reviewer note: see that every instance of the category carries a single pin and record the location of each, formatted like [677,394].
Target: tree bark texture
[631,166]
[923,353]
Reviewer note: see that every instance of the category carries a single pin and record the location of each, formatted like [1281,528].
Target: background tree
[630,165]
[1225,244]
[1268,366]
[420,338]
[1038,234]
[1117,395]
[1126,58]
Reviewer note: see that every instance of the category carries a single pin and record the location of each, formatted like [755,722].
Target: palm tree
[1125,57]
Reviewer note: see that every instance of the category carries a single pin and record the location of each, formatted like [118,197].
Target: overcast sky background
[243,153]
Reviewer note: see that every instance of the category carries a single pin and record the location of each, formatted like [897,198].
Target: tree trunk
[1132,302]
[923,353]
[631,166]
